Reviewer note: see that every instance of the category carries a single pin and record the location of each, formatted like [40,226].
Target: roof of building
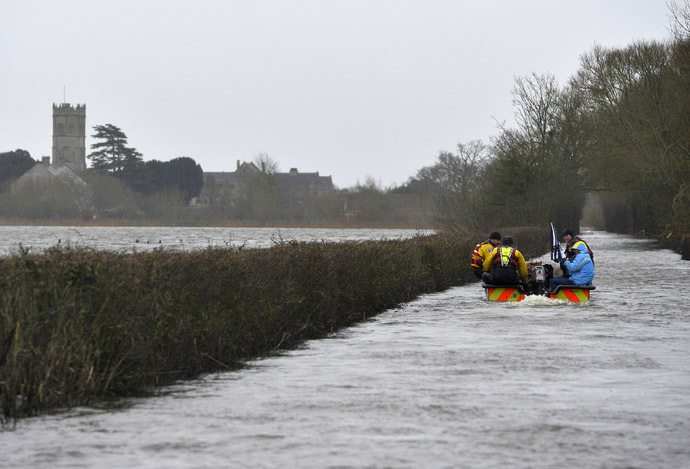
[292,181]
[43,173]
[303,181]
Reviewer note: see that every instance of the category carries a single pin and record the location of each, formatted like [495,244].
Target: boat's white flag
[556,251]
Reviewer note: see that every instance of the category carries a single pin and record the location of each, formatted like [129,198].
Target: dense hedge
[75,324]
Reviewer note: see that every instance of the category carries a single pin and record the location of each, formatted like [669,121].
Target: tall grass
[79,324]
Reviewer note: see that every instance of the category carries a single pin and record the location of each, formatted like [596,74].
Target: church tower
[69,136]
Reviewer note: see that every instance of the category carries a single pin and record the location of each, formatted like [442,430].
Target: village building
[69,151]
[44,174]
[290,183]
[294,181]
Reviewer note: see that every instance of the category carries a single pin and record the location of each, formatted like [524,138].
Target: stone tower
[69,136]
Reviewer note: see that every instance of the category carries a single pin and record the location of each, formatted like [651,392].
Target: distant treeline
[80,324]
[161,192]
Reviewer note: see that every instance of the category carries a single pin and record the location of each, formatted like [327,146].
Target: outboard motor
[539,277]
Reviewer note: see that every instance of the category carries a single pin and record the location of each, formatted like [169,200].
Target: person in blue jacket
[579,267]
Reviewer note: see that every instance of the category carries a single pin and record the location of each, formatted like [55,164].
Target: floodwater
[124,238]
[446,381]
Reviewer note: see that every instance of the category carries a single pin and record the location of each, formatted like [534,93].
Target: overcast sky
[350,88]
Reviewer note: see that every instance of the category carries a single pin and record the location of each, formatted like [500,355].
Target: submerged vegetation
[79,324]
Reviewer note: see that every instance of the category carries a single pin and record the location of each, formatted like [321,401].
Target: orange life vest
[477,257]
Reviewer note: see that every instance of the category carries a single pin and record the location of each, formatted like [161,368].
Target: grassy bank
[78,324]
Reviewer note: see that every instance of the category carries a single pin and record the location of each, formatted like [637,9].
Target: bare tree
[370,185]
[266,164]
[538,175]
[680,19]
[459,182]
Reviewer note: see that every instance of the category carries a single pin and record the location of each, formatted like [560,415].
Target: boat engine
[538,277]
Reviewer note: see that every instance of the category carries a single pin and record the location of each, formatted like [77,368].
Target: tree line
[112,155]
[618,129]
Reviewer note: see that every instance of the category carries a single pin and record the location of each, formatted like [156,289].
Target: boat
[515,293]
[539,277]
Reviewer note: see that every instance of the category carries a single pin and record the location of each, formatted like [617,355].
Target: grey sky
[348,88]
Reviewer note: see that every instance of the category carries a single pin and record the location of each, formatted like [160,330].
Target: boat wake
[541,300]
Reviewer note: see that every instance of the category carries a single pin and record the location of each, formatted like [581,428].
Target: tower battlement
[67,108]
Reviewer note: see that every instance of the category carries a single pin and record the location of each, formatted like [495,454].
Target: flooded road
[445,381]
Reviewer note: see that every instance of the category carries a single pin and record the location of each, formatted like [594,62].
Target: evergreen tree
[185,174]
[182,174]
[13,164]
[113,154]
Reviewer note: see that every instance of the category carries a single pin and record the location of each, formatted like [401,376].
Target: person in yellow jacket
[505,266]
[482,250]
